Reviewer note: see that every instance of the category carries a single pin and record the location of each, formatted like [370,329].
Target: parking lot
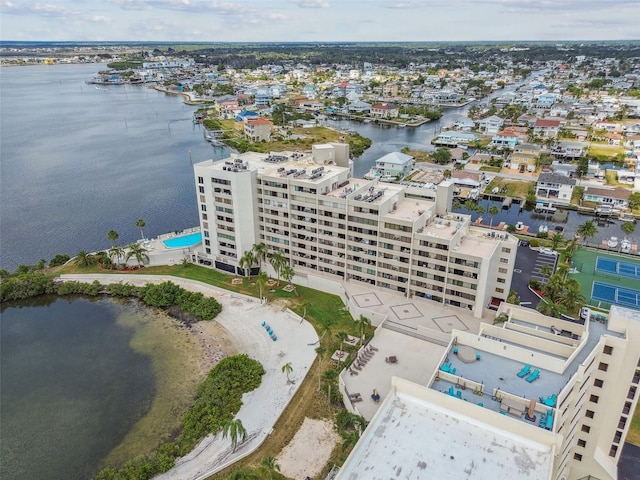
[529,263]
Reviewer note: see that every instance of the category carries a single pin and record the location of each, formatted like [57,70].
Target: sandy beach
[238,329]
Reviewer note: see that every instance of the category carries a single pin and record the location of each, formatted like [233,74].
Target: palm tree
[116,252]
[242,474]
[259,253]
[113,236]
[84,259]
[587,230]
[287,273]
[329,376]
[349,440]
[551,309]
[493,211]
[287,369]
[546,270]
[362,322]
[269,466]
[570,249]
[261,281]
[572,297]
[235,431]
[140,224]
[556,239]
[277,261]
[139,252]
[246,262]
[628,227]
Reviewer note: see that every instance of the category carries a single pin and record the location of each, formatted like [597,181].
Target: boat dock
[506,203]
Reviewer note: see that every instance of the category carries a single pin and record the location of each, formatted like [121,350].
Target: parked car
[548,251]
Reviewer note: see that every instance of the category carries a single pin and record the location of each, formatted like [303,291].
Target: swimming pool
[183,241]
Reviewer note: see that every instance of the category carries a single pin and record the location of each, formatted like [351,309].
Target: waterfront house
[509,137]
[617,197]
[556,187]
[359,107]
[522,162]
[258,130]
[491,125]
[464,124]
[452,138]
[384,110]
[395,164]
[613,138]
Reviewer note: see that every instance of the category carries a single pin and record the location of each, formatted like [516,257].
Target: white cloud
[310,3]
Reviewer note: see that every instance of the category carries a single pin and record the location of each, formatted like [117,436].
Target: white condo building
[331,225]
[534,397]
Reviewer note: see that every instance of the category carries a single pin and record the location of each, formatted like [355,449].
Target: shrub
[58,260]
[25,285]
[122,290]
[534,243]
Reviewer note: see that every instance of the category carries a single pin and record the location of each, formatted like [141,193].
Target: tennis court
[615,295]
[618,267]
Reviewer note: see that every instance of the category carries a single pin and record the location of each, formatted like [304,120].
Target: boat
[612,242]
[625,246]
[626,217]
[603,210]
[520,226]
[543,229]
[402,125]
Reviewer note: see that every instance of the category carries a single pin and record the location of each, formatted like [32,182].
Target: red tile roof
[542,122]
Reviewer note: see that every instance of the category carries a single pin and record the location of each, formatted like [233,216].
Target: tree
[139,252]
[493,211]
[628,227]
[242,474]
[84,259]
[235,431]
[587,230]
[269,465]
[556,239]
[441,156]
[546,270]
[116,252]
[582,168]
[287,369]
[140,224]
[287,273]
[261,282]
[113,236]
[446,174]
[247,261]
[547,307]
[634,200]
[277,261]
[259,253]
[363,323]
[572,297]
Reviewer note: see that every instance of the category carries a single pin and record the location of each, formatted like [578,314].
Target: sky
[318,20]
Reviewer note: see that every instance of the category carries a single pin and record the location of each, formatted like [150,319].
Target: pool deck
[158,252]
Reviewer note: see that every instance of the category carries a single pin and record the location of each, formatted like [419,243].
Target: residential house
[546,100]
[521,162]
[395,164]
[530,148]
[568,150]
[560,110]
[546,128]
[298,100]
[617,197]
[613,138]
[611,127]
[451,138]
[491,125]
[384,110]
[509,137]
[556,187]
[359,107]
[243,117]
[390,90]
[464,124]
[258,130]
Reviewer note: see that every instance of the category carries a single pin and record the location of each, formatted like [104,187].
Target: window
[203,208]
[200,180]
[504,260]
[603,366]
[582,443]
[577,456]
[506,250]
[501,280]
[594,398]
[586,428]
[598,383]
[613,451]
[502,270]
[608,350]
[499,290]
[204,216]
[589,414]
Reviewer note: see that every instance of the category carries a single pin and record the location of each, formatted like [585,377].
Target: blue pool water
[184,241]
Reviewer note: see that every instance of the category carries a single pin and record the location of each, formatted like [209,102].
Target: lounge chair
[534,376]
[525,370]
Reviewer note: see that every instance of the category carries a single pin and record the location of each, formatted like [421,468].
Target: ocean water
[71,386]
[77,161]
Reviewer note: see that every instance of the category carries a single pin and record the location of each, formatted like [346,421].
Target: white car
[548,251]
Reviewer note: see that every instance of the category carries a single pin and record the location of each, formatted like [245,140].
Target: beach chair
[534,376]
[525,370]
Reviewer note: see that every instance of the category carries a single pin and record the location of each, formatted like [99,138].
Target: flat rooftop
[413,438]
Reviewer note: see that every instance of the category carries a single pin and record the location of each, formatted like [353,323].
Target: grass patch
[606,150]
[634,430]
[419,156]
[515,188]
[611,178]
[487,168]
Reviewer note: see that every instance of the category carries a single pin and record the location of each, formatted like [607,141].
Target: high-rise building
[327,223]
